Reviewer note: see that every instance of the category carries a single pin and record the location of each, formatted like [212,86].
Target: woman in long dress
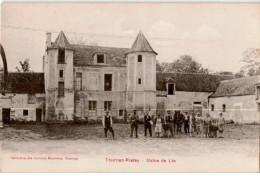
[221,122]
[158,125]
[199,124]
[192,125]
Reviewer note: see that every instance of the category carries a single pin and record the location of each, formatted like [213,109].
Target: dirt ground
[240,141]
[234,134]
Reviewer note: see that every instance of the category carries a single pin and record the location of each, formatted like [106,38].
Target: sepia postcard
[130,87]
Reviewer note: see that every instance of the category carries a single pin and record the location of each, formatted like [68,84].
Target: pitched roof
[83,55]
[61,42]
[237,87]
[190,82]
[141,45]
[25,83]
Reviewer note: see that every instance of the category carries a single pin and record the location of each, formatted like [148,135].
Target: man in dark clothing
[175,120]
[180,120]
[147,124]
[186,123]
[134,124]
[107,123]
[169,121]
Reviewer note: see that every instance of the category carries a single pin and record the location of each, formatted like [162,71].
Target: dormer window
[140,58]
[100,58]
[171,89]
[61,56]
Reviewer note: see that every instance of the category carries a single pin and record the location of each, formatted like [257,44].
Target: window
[61,73]
[61,56]
[139,58]
[61,89]
[121,112]
[212,107]
[139,81]
[25,112]
[223,108]
[79,81]
[107,105]
[92,105]
[170,89]
[31,99]
[108,82]
[100,58]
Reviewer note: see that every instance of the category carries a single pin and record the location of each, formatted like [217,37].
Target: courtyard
[238,149]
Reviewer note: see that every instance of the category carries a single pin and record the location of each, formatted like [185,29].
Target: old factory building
[85,81]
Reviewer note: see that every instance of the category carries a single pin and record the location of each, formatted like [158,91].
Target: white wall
[249,109]
[183,101]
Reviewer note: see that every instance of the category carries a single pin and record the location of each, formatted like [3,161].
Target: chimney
[48,39]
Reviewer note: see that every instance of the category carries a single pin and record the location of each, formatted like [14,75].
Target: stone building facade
[83,81]
[237,100]
[24,99]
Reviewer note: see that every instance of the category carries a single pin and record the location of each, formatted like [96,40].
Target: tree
[78,40]
[162,67]
[185,64]
[24,66]
[81,41]
[225,73]
[252,59]
[240,74]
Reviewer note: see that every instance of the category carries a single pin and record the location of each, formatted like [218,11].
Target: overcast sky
[215,35]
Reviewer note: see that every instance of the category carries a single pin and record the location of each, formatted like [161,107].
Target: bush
[230,121]
[252,123]
[118,120]
[78,120]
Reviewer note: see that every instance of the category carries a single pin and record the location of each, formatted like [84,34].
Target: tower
[58,73]
[141,76]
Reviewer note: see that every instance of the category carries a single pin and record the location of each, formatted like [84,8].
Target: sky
[214,34]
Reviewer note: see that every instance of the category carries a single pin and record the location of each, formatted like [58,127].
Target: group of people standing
[191,123]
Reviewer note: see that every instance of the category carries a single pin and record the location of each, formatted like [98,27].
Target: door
[6,115]
[38,115]
[197,107]
[237,113]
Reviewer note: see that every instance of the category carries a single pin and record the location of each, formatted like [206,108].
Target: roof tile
[141,45]
[237,87]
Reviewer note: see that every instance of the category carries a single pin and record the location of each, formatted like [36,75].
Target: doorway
[6,115]
[38,115]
